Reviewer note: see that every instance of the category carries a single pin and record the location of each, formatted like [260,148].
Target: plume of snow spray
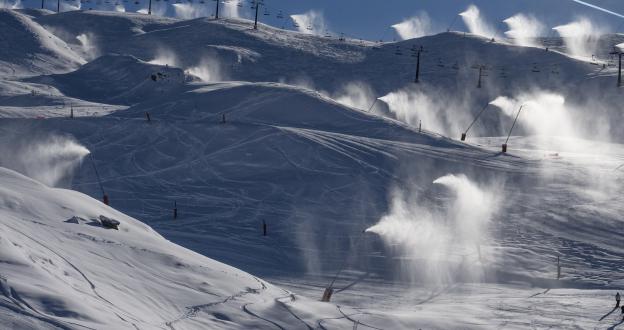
[543,113]
[435,109]
[50,160]
[357,95]
[209,69]
[414,27]
[441,244]
[311,22]
[89,49]
[17,4]
[580,37]
[231,9]
[524,29]
[475,23]
[164,57]
[71,6]
[190,10]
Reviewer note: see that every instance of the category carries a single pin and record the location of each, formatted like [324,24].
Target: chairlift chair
[456,66]
[398,51]
[309,27]
[440,64]
[280,15]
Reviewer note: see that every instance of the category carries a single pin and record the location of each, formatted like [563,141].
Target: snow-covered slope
[458,234]
[62,270]
[357,72]
[28,49]
[117,79]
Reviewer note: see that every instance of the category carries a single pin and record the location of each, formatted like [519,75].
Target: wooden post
[175,210]
[147,115]
[264,228]
[327,294]
[558,268]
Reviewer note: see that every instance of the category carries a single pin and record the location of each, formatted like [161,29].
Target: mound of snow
[62,268]
[26,48]
[116,79]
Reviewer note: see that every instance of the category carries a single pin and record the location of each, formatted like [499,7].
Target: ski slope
[268,126]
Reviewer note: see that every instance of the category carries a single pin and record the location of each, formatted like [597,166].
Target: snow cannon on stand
[504,150]
[463,135]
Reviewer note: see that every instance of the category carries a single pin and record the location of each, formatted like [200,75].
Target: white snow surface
[245,127]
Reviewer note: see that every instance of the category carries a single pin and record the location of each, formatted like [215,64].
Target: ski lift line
[514,123]
[477,117]
[97,174]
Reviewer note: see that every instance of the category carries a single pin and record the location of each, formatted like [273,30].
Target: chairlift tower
[418,51]
[149,8]
[217,10]
[482,73]
[257,5]
[619,54]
